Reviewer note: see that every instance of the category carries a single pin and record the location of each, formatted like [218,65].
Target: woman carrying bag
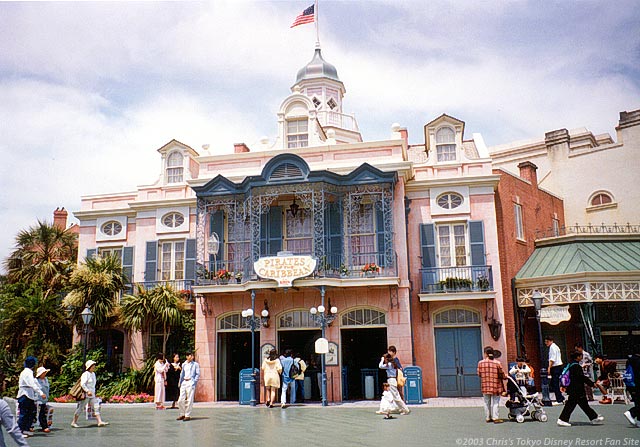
[88,384]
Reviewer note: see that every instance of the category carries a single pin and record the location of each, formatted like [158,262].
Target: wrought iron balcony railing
[182,286]
[360,265]
[478,278]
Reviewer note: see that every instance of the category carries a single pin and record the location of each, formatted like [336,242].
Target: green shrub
[73,367]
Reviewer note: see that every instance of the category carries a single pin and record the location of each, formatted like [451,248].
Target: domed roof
[317,68]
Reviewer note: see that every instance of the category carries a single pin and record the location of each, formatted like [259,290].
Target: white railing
[340,120]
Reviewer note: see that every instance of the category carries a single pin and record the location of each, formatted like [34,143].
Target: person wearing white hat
[43,414]
[88,383]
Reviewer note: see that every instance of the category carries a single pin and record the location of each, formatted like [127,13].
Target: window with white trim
[109,251]
[172,220]
[364,317]
[452,245]
[446,144]
[457,317]
[174,167]
[111,228]
[556,227]
[602,198]
[299,231]
[171,260]
[297,133]
[517,209]
[449,200]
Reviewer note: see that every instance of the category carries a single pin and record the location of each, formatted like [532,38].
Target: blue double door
[458,351]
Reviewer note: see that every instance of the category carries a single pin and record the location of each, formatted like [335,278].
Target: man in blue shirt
[286,360]
[188,380]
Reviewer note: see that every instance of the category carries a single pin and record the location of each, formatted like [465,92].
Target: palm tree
[44,253]
[96,283]
[34,323]
[162,305]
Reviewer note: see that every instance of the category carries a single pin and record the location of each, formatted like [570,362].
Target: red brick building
[522,209]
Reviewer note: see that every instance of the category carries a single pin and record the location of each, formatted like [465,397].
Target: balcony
[183,286]
[452,280]
[332,266]
[340,120]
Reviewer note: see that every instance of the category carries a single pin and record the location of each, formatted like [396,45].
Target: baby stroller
[527,404]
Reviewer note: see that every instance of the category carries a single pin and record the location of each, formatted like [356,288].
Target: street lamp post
[537,298]
[324,319]
[252,322]
[87,316]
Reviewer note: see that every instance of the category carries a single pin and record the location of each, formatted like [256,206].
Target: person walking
[388,363]
[271,368]
[633,362]
[287,361]
[160,369]
[189,377]
[43,408]
[577,394]
[28,390]
[555,369]
[393,352]
[172,389]
[9,423]
[492,385]
[297,386]
[387,405]
[587,368]
[88,383]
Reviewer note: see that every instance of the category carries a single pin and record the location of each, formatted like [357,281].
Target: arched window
[174,167]
[449,200]
[297,319]
[364,317]
[446,144]
[601,198]
[457,317]
[231,322]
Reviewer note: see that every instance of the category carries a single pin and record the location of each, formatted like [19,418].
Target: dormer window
[297,133]
[446,144]
[332,103]
[174,167]
[316,102]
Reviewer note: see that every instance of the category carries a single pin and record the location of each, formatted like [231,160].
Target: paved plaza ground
[341,425]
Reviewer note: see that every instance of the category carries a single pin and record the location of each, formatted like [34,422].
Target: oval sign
[284,269]
[554,314]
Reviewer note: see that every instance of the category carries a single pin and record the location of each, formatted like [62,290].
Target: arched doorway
[297,331]
[363,332]
[458,344]
[234,353]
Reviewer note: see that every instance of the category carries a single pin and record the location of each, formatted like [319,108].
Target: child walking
[577,393]
[387,404]
[43,413]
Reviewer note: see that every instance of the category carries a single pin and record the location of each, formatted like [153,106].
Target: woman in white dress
[160,369]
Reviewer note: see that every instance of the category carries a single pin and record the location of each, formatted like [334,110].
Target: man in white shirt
[189,377]
[555,369]
[27,389]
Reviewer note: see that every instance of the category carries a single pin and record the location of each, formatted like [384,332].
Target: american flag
[307,16]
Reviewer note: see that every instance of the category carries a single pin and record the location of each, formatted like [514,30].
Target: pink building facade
[403,237]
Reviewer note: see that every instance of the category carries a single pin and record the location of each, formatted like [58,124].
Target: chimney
[239,148]
[528,172]
[60,218]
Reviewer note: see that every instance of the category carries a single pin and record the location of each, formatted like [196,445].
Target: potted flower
[239,276]
[344,271]
[224,276]
[186,295]
[483,282]
[370,269]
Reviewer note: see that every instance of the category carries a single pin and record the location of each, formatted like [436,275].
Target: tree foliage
[44,254]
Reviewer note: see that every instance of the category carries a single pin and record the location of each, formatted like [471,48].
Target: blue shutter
[216,225]
[428,245]
[333,231]
[476,242]
[127,264]
[381,261]
[91,252]
[190,260]
[151,261]
[274,242]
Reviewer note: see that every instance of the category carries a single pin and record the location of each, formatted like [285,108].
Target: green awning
[582,257]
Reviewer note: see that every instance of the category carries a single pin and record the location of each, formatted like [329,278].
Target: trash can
[413,385]
[245,386]
[369,381]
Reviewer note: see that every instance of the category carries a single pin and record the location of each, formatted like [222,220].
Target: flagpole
[317,31]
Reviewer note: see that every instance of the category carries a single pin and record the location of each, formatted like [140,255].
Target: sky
[89,91]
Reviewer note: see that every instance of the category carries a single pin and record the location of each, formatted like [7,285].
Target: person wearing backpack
[287,364]
[573,381]
[297,386]
[632,377]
